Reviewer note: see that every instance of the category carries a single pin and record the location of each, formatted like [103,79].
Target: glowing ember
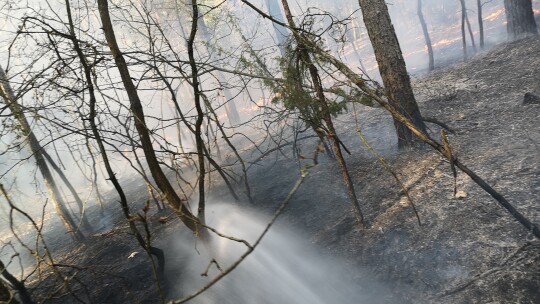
[495,15]
[498,13]
[444,42]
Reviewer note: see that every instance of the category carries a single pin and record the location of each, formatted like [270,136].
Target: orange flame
[498,13]
[495,15]
[444,42]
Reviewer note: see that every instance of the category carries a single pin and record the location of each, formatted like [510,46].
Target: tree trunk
[274,10]
[136,108]
[463,34]
[143,174]
[200,115]
[520,19]
[426,35]
[480,23]
[35,147]
[392,68]
[144,243]
[469,28]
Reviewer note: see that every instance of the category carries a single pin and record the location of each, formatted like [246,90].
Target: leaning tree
[425,31]
[36,148]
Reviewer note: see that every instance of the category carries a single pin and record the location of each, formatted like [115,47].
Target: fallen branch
[439,123]
[362,85]
[485,274]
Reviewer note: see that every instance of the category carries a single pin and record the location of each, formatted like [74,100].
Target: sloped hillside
[468,249]
[465,250]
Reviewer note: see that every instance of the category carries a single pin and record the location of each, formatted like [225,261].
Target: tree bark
[37,151]
[426,35]
[392,68]
[145,244]
[198,106]
[463,34]
[469,27]
[161,180]
[520,20]
[480,22]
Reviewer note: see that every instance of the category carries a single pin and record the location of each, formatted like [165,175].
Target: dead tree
[305,57]
[426,35]
[198,106]
[139,119]
[37,151]
[471,34]
[479,6]
[87,68]
[442,149]
[466,24]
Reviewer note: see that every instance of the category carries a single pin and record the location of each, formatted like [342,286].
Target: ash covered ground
[467,250]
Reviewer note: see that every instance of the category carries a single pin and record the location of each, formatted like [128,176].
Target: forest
[269,151]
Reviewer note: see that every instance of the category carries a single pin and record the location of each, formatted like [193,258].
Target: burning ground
[466,250]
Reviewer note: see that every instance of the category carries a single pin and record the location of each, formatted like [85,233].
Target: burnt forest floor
[467,250]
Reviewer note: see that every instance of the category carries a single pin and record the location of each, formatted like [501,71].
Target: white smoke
[284,268]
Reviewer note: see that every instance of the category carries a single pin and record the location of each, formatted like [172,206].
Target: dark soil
[467,250]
